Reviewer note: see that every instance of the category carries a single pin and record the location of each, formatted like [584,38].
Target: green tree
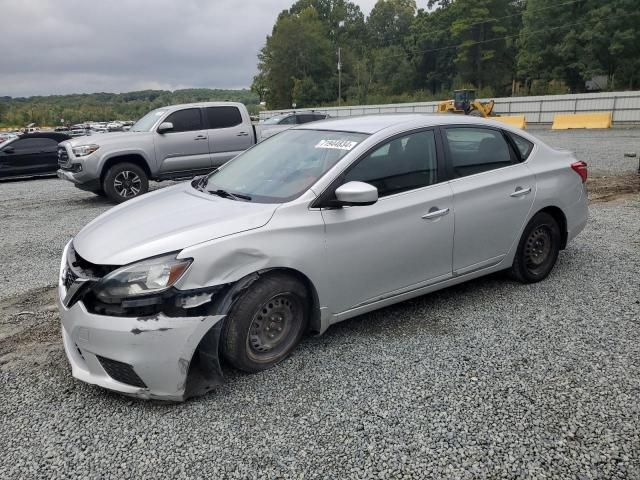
[485,58]
[611,42]
[297,50]
[430,46]
[389,22]
[549,44]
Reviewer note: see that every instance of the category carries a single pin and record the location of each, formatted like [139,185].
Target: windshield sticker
[337,144]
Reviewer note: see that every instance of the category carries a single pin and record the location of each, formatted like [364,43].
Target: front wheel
[538,249]
[125,181]
[266,323]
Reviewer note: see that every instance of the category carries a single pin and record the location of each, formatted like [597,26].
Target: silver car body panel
[355,259]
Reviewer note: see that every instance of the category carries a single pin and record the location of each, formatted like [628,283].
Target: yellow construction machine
[464,102]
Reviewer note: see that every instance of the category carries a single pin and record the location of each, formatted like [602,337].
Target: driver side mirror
[165,127]
[8,150]
[356,194]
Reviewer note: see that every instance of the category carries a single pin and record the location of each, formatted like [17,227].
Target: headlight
[84,150]
[143,278]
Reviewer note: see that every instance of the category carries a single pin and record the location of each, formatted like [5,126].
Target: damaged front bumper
[151,357]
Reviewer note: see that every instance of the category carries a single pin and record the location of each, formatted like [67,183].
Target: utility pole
[339,78]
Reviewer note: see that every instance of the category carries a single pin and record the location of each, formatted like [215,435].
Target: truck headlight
[84,150]
[142,278]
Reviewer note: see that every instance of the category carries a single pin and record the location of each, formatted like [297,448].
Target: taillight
[581,169]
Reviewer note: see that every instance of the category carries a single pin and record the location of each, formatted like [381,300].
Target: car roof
[52,135]
[200,105]
[371,124]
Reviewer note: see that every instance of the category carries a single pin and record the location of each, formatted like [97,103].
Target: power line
[495,19]
[479,42]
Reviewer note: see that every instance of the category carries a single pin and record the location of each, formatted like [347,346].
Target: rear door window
[187,120]
[223,117]
[475,150]
[28,144]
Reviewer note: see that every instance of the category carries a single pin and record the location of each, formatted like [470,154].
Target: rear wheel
[125,181]
[538,249]
[266,323]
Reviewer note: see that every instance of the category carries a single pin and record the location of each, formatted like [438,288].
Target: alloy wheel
[127,184]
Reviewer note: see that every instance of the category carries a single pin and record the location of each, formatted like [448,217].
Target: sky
[82,46]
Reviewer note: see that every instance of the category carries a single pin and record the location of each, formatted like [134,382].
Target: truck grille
[121,372]
[63,157]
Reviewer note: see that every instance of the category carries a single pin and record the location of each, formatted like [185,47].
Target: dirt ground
[613,188]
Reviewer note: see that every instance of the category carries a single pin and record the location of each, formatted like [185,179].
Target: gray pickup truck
[169,143]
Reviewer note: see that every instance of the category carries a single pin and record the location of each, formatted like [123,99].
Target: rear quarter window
[524,146]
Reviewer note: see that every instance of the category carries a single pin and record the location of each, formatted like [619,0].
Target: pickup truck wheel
[266,323]
[125,181]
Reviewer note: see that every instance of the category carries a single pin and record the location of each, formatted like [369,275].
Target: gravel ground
[490,379]
[603,150]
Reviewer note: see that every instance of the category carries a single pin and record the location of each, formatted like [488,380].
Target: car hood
[106,138]
[163,221]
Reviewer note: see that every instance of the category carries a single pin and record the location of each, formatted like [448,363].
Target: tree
[611,42]
[389,22]
[297,50]
[485,58]
[549,43]
[429,44]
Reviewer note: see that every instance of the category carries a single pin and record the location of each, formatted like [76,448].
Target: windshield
[275,120]
[284,166]
[4,143]
[148,121]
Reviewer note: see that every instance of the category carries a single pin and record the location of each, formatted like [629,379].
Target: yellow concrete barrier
[582,120]
[517,121]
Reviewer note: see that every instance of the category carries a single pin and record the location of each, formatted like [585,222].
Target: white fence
[624,105]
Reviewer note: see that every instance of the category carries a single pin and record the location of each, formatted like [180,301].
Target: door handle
[521,192]
[200,137]
[242,134]
[435,213]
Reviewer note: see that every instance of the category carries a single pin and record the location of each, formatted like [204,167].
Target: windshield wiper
[232,196]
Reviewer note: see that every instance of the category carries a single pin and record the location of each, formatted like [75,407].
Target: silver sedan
[313,226]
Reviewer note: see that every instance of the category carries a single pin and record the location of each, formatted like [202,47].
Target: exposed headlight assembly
[142,278]
[84,150]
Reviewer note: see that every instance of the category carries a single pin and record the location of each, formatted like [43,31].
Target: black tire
[475,113]
[265,324]
[125,181]
[537,250]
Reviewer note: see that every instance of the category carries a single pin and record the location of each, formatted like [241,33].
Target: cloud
[81,46]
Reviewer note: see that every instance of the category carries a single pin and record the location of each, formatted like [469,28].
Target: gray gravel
[490,379]
[603,150]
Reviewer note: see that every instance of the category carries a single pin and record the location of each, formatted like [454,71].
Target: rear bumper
[577,215]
